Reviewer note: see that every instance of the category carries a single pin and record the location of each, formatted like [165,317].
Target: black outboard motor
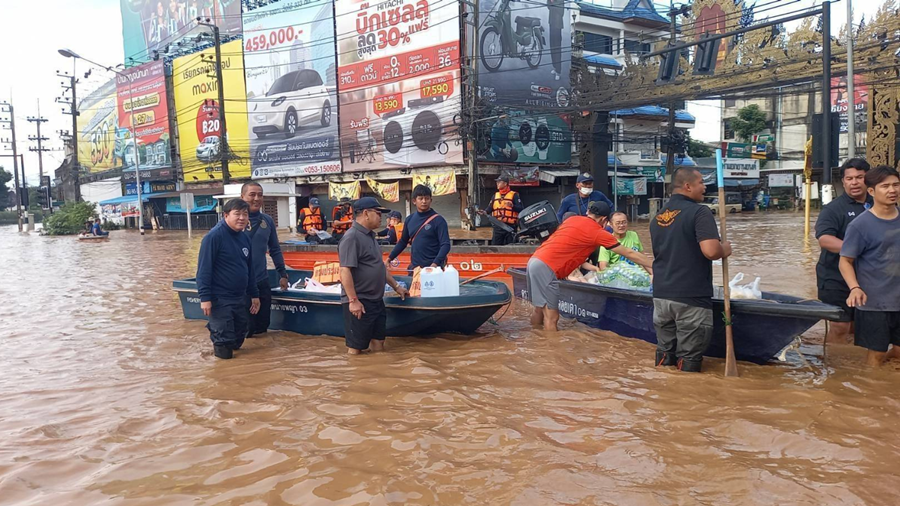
[538,221]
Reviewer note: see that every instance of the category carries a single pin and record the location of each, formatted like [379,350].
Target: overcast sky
[31,32]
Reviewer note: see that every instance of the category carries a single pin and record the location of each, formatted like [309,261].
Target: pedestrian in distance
[311,221]
[685,242]
[870,265]
[563,252]
[831,227]
[341,218]
[263,238]
[585,194]
[363,276]
[505,207]
[425,231]
[226,279]
[394,228]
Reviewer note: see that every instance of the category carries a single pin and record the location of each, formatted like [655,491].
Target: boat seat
[527,22]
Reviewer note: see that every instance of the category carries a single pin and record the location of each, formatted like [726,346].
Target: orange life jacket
[500,210]
[340,228]
[312,218]
[398,229]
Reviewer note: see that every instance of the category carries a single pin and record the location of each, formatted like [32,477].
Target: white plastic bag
[314,286]
[750,291]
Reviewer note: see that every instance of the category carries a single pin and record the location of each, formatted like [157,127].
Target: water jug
[432,280]
[451,282]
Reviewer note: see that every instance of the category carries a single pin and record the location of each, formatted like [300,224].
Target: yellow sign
[440,184]
[199,126]
[387,191]
[98,148]
[338,191]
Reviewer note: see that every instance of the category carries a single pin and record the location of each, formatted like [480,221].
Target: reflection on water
[108,395]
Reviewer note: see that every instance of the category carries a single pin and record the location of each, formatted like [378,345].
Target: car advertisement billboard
[199,128]
[290,66]
[142,91]
[154,25]
[525,53]
[101,143]
[398,83]
[522,138]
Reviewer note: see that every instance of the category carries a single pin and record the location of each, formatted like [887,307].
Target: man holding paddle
[685,242]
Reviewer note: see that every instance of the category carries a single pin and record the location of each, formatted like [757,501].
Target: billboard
[154,25]
[291,89]
[101,143]
[151,115]
[521,138]
[398,83]
[840,102]
[199,128]
[525,53]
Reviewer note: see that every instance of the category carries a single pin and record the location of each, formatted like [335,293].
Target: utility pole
[40,149]
[224,151]
[827,187]
[12,127]
[670,130]
[851,98]
[75,169]
[472,129]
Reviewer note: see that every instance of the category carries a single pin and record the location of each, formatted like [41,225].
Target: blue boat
[313,313]
[762,328]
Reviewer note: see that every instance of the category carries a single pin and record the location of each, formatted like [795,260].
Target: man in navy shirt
[225,279]
[426,232]
[263,237]
[580,201]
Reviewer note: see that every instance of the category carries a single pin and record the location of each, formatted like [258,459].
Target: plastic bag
[314,286]
[749,291]
[626,276]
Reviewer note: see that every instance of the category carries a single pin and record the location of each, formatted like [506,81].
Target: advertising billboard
[398,83]
[101,143]
[154,25]
[525,53]
[197,102]
[840,102]
[291,89]
[522,138]
[142,91]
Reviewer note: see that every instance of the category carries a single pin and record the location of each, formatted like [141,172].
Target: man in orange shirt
[562,253]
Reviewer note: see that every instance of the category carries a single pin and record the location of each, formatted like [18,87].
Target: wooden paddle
[730,362]
[483,274]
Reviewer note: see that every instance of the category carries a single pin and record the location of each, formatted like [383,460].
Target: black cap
[313,202]
[585,178]
[395,214]
[368,203]
[503,177]
[599,209]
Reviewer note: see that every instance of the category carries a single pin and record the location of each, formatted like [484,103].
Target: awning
[741,183]
[125,199]
[195,191]
[549,176]
[606,61]
[685,161]
[653,111]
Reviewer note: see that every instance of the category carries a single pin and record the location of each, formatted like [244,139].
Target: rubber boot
[664,359]
[689,365]
[223,352]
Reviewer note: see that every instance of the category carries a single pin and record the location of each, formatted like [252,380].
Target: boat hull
[762,328]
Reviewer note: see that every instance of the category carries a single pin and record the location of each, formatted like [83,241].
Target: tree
[750,121]
[5,177]
[70,218]
[697,149]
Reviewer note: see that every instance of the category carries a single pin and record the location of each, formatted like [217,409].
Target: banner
[338,191]
[522,176]
[764,147]
[781,180]
[840,102]
[399,83]
[654,174]
[148,187]
[291,89]
[202,203]
[151,115]
[525,52]
[440,184]
[196,100]
[519,138]
[155,25]
[101,144]
[129,209]
[737,150]
[631,186]
[387,191]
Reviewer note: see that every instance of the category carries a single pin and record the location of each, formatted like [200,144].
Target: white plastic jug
[451,282]
[432,281]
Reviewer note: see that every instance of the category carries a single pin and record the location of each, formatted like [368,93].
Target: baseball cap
[368,203]
[585,178]
[599,209]
[314,202]
[503,177]
[395,214]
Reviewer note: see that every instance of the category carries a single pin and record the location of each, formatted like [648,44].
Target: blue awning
[607,61]
[685,161]
[612,160]
[653,110]
[127,198]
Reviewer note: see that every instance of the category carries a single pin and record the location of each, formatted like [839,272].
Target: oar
[730,361]
[483,274]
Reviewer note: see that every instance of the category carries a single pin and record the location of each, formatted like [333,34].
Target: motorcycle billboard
[142,92]
[199,126]
[100,141]
[525,53]
[399,83]
[520,138]
[289,64]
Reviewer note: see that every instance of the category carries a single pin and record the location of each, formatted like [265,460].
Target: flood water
[108,396]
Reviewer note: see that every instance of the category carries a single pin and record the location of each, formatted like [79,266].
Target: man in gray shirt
[870,264]
[363,275]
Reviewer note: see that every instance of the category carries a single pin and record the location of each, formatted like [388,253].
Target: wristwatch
[526,137]
[542,138]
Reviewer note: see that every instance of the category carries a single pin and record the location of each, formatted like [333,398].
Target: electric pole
[39,139]
[827,186]
[75,169]
[472,129]
[224,151]
[851,99]
[12,127]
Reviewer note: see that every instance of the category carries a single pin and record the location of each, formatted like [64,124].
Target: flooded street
[108,396]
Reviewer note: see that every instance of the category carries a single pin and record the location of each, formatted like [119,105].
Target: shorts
[875,330]
[837,298]
[543,287]
[358,332]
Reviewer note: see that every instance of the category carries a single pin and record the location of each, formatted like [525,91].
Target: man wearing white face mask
[578,202]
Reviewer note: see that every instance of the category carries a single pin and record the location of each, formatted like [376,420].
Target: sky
[31,32]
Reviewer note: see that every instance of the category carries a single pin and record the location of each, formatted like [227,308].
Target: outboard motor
[538,221]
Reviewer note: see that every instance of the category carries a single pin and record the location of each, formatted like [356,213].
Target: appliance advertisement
[521,138]
[101,143]
[290,66]
[151,115]
[199,128]
[398,83]
[525,53]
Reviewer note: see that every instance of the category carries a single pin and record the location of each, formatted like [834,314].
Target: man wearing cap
[363,275]
[341,218]
[394,228]
[585,194]
[505,207]
[311,221]
[562,253]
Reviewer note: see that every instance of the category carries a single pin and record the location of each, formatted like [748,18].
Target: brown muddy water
[108,396]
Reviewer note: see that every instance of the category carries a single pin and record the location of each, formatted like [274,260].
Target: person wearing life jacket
[311,221]
[505,207]
[341,218]
[394,228]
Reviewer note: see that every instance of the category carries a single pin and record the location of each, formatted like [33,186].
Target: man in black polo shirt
[685,242]
[830,229]
[363,275]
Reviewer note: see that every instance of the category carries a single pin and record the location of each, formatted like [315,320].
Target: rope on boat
[497,321]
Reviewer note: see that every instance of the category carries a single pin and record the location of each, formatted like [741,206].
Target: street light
[68,53]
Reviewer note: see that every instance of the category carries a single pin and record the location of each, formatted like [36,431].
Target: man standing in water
[425,231]
[685,242]
[870,264]
[225,279]
[263,237]
[578,202]
[830,229]
[363,275]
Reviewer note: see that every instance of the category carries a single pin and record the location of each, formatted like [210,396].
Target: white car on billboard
[296,99]
[208,150]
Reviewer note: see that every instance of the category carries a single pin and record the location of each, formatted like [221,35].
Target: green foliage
[110,225]
[750,121]
[5,177]
[697,149]
[8,217]
[69,219]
